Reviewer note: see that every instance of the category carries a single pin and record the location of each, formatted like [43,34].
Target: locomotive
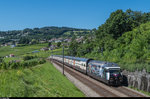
[106,72]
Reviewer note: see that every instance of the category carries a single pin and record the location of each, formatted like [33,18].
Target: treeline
[38,34]
[124,38]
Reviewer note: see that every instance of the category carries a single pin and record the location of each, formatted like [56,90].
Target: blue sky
[88,14]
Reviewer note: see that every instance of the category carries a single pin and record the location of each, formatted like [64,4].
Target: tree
[1,59]
[58,44]
[49,44]
[34,41]
[24,40]
[73,48]
[13,42]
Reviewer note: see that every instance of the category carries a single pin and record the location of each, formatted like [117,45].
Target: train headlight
[111,79]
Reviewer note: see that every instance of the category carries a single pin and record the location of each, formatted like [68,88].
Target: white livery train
[106,72]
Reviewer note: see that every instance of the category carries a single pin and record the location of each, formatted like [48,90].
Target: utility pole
[52,54]
[63,59]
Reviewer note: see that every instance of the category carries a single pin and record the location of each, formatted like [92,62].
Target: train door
[74,63]
[65,59]
[84,65]
[105,74]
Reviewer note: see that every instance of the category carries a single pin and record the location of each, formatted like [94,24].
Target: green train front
[107,72]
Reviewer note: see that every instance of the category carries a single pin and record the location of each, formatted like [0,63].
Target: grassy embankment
[39,81]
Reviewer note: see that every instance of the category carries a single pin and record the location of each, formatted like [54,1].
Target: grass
[11,58]
[17,51]
[39,81]
[144,92]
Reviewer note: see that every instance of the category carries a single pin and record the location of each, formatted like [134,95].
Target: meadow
[17,51]
[41,80]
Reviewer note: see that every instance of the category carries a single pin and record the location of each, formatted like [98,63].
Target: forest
[124,39]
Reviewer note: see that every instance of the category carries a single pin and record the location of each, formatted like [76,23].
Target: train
[106,72]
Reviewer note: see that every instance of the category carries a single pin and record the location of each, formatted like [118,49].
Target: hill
[44,33]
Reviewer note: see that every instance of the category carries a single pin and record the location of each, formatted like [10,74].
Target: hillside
[124,39]
[45,33]
[28,75]
[131,51]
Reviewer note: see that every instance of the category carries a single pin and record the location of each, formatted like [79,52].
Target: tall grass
[40,81]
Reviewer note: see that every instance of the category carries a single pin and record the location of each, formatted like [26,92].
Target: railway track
[100,88]
[129,92]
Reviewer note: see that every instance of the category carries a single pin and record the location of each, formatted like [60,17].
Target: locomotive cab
[115,77]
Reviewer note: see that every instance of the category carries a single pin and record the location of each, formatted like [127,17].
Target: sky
[85,14]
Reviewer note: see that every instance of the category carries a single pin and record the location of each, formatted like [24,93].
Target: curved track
[100,88]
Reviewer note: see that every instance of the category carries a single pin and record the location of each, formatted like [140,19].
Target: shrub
[16,65]
[28,57]
[42,61]
[4,65]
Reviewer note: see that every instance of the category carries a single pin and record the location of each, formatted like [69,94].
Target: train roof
[74,58]
[81,59]
[105,64]
[57,55]
[77,58]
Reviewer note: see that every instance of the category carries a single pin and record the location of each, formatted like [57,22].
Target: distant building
[67,40]
[11,55]
[80,39]
[42,41]
[35,51]
[53,47]
[58,41]
[44,49]
[52,40]
[66,44]
[12,46]
[1,37]
[6,45]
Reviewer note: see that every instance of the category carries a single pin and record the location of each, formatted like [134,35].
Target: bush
[24,64]
[16,65]
[28,57]
[42,61]
[4,65]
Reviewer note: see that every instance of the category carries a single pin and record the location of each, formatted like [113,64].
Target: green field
[42,80]
[17,51]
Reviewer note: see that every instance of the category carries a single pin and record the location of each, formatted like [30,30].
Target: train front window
[114,71]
